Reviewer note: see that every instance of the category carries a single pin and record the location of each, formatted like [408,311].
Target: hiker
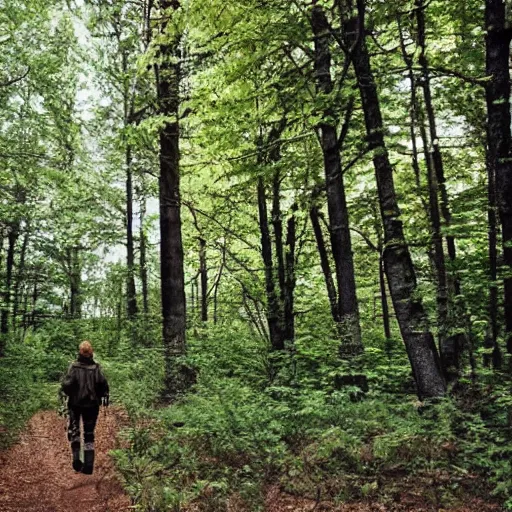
[86,388]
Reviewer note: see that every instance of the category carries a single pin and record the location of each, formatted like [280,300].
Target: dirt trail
[36,474]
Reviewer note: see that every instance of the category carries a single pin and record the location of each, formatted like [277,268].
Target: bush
[28,383]
[253,420]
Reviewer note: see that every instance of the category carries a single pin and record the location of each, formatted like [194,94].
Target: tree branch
[15,80]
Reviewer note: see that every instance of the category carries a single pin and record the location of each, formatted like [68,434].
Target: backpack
[84,384]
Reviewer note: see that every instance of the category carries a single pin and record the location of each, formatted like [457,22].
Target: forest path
[36,473]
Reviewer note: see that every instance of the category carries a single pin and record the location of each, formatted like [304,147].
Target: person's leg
[90,416]
[74,436]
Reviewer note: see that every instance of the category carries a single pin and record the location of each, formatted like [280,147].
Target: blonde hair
[85,349]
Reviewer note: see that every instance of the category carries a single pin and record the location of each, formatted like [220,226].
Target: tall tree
[499,160]
[400,271]
[280,279]
[341,244]
[168,76]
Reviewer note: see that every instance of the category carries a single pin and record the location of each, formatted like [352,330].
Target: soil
[277,501]
[36,474]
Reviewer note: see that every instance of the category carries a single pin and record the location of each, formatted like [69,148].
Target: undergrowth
[28,382]
[255,420]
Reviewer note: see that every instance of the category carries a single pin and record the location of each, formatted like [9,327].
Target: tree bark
[324,263]
[19,275]
[499,136]
[131,294]
[128,102]
[277,225]
[349,326]
[384,300]
[400,272]
[217,284]
[289,279]
[171,247]
[143,258]
[203,270]
[12,238]
[491,338]
[437,159]
[274,314]
[75,282]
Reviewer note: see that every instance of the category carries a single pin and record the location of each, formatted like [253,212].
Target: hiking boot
[88,465]
[77,463]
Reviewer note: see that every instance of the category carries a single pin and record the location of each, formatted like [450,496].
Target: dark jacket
[84,383]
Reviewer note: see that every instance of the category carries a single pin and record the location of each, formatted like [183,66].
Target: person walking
[87,388]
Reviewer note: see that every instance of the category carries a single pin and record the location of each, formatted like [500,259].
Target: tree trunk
[274,315]
[119,323]
[491,338]
[285,256]
[277,225]
[2,237]
[400,272]
[143,258]
[131,294]
[12,238]
[192,297]
[440,264]
[289,279]
[324,263]
[128,99]
[35,296]
[432,176]
[171,247]
[19,275]
[217,283]
[382,273]
[75,282]
[414,115]
[384,299]
[350,329]
[203,270]
[198,298]
[499,136]
[437,159]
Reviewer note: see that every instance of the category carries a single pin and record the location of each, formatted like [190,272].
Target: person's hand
[63,406]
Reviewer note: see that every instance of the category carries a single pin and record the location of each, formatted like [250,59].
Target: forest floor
[36,476]
[407,502]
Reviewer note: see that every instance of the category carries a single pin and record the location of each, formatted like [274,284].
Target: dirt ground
[279,502]
[36,474]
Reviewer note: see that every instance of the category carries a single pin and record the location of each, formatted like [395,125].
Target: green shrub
[28,383]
